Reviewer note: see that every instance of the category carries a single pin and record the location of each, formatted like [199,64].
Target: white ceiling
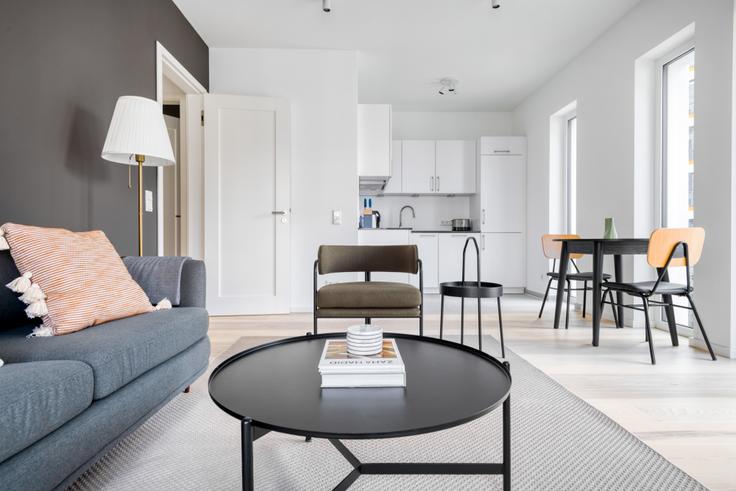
[405,46]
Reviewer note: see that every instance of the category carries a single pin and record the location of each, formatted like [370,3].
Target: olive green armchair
[368,299]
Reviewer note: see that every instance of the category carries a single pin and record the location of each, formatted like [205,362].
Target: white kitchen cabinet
[385,237]
[455,167]
[502,259]
[374,140]
[428,246]
[503,145]
[501,193]
[394,183]
[451,257]
[417,166]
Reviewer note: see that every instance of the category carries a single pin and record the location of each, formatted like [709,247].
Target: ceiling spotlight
[495,4]
[326,7]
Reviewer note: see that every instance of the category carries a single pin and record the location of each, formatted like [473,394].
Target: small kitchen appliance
[462,225]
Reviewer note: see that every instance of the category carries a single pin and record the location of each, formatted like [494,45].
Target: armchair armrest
[180,279]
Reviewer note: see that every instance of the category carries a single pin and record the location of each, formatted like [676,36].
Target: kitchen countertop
[445,231]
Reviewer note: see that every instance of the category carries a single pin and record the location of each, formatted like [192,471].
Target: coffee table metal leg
[506,434]
[247,453]
[442,313]
[500,328]
[507,444]
[462,320]
[480,331]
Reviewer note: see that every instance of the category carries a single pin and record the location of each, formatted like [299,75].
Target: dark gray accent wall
[63,64]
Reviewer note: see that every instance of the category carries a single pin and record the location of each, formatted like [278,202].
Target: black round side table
[276,387]
[472,289]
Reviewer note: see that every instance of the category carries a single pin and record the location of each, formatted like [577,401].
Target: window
[678,152]
[571,160]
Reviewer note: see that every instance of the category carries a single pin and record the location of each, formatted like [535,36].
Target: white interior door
[171,175]
[246,204]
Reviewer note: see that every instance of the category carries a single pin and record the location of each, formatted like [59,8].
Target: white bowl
[364,330]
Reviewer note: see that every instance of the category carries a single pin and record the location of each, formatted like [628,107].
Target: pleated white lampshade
[138,127]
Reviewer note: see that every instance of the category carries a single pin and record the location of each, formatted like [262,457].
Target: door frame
[167,65]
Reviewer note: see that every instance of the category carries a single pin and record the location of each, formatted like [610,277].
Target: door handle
[483,242]
[278,212]
[431,183]
[502,151]
[483,217]
[438,184]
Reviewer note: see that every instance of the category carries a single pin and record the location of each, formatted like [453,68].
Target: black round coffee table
[276,387]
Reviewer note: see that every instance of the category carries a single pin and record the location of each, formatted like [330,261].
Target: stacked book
[339,368]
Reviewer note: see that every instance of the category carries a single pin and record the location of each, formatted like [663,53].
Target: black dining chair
[668,247]
[552,249]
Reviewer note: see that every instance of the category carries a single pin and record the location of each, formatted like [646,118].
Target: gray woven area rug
[559,442]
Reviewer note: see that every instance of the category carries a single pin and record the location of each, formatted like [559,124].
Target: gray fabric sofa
[65,400]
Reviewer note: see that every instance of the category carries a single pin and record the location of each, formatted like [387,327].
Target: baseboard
[721,350]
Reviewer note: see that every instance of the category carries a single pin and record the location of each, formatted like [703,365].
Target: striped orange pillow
[81,275]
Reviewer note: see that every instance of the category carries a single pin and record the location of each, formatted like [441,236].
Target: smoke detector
[447,86]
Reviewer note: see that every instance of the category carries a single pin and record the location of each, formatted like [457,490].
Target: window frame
[570,215]
[660,177]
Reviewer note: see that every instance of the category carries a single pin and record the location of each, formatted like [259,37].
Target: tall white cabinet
[498,208]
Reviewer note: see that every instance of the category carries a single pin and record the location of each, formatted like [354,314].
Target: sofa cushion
[368,294]
[82,278]
[38,398]
[118,351]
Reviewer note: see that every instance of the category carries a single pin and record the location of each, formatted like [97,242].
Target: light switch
[337,217]
[149,200]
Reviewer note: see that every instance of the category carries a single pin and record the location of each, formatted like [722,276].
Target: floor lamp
[138,136]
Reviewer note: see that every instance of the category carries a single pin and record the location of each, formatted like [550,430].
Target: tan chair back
[552,247]
[663,240]
[348,259]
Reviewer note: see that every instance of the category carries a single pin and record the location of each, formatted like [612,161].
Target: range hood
[372,185]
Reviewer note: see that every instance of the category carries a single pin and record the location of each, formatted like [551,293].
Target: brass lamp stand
[140,159]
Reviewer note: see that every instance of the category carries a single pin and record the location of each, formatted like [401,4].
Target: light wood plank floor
[684,407]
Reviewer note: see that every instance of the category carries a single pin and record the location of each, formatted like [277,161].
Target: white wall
[322,86]
[602,81]
[450,125]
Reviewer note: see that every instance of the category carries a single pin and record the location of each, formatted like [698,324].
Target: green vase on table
[610,232]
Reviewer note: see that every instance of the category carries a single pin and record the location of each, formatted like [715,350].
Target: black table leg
[247,453]
[480,331]
[564,259]
[669,311]
[618,272]
[442,313]
[507,439]
[500,328]
[597,280]
[462,320]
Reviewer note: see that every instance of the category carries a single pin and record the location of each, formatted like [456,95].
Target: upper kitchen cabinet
[455,167]
[417,166]
[394,183]
[503,145]
[374,140]
[436,167]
